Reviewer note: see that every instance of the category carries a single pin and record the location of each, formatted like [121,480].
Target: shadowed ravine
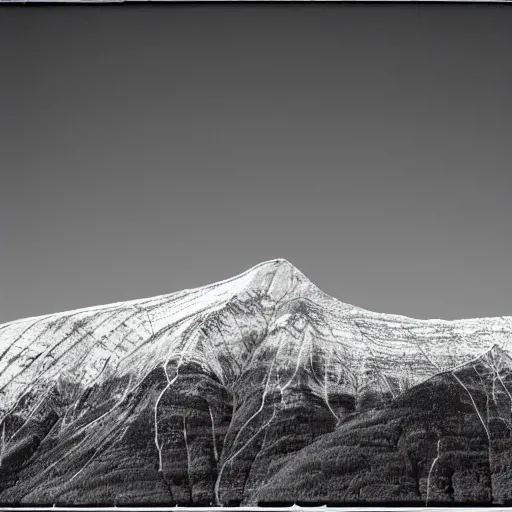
[260,389]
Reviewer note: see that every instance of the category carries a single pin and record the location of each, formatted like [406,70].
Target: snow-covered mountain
[209,395]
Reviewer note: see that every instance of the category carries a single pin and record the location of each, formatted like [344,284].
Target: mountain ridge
[212,391]
[262,264]
[269,289]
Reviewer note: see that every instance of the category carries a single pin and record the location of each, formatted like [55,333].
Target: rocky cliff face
[258,389]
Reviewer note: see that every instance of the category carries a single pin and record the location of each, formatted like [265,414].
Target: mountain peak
[277,264]
[278,278]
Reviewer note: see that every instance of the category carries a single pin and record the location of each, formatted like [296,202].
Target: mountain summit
[229,393]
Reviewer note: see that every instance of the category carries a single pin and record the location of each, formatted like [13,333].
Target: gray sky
[149,149]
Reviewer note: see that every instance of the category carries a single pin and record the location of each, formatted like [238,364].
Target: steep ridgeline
[257,389]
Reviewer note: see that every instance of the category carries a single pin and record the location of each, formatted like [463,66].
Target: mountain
[259,389]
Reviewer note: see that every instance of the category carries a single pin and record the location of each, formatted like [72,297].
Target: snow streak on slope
[204,384]
[134,337]
[128,337]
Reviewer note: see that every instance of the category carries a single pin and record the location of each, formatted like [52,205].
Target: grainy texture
[258,389]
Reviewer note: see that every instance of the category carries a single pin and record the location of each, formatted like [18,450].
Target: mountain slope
[210,395]
[446,441]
